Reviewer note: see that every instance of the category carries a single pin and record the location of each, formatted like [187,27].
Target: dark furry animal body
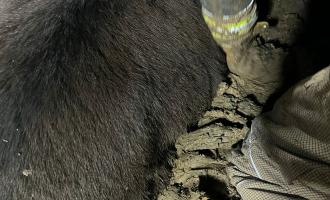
[92,94]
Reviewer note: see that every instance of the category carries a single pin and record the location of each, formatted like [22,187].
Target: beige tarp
[286,154]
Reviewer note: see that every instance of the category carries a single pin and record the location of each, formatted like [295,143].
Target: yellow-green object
[230,21]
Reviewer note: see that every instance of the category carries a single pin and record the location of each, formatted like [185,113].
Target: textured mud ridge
[199,170]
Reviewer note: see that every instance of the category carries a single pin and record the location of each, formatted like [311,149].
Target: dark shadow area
[213,188]
[192,127]
[224,122]
[208,153]
[264,7]
[309,52]
[238,145]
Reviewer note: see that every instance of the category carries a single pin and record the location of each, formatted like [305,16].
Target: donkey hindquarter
[92,94]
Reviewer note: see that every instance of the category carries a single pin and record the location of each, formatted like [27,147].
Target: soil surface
[296,44]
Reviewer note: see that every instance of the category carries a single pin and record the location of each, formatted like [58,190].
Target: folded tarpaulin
[286,154]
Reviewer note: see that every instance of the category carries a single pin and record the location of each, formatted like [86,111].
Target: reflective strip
[224,28]
[221,26]
[250,155]
[241,25]
[210,21]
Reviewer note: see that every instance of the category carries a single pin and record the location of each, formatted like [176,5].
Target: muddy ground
[301,28]
[298,30]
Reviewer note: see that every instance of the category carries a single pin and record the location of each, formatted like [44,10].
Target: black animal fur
[93,92]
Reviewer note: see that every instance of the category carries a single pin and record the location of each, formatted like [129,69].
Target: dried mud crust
[199,170]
